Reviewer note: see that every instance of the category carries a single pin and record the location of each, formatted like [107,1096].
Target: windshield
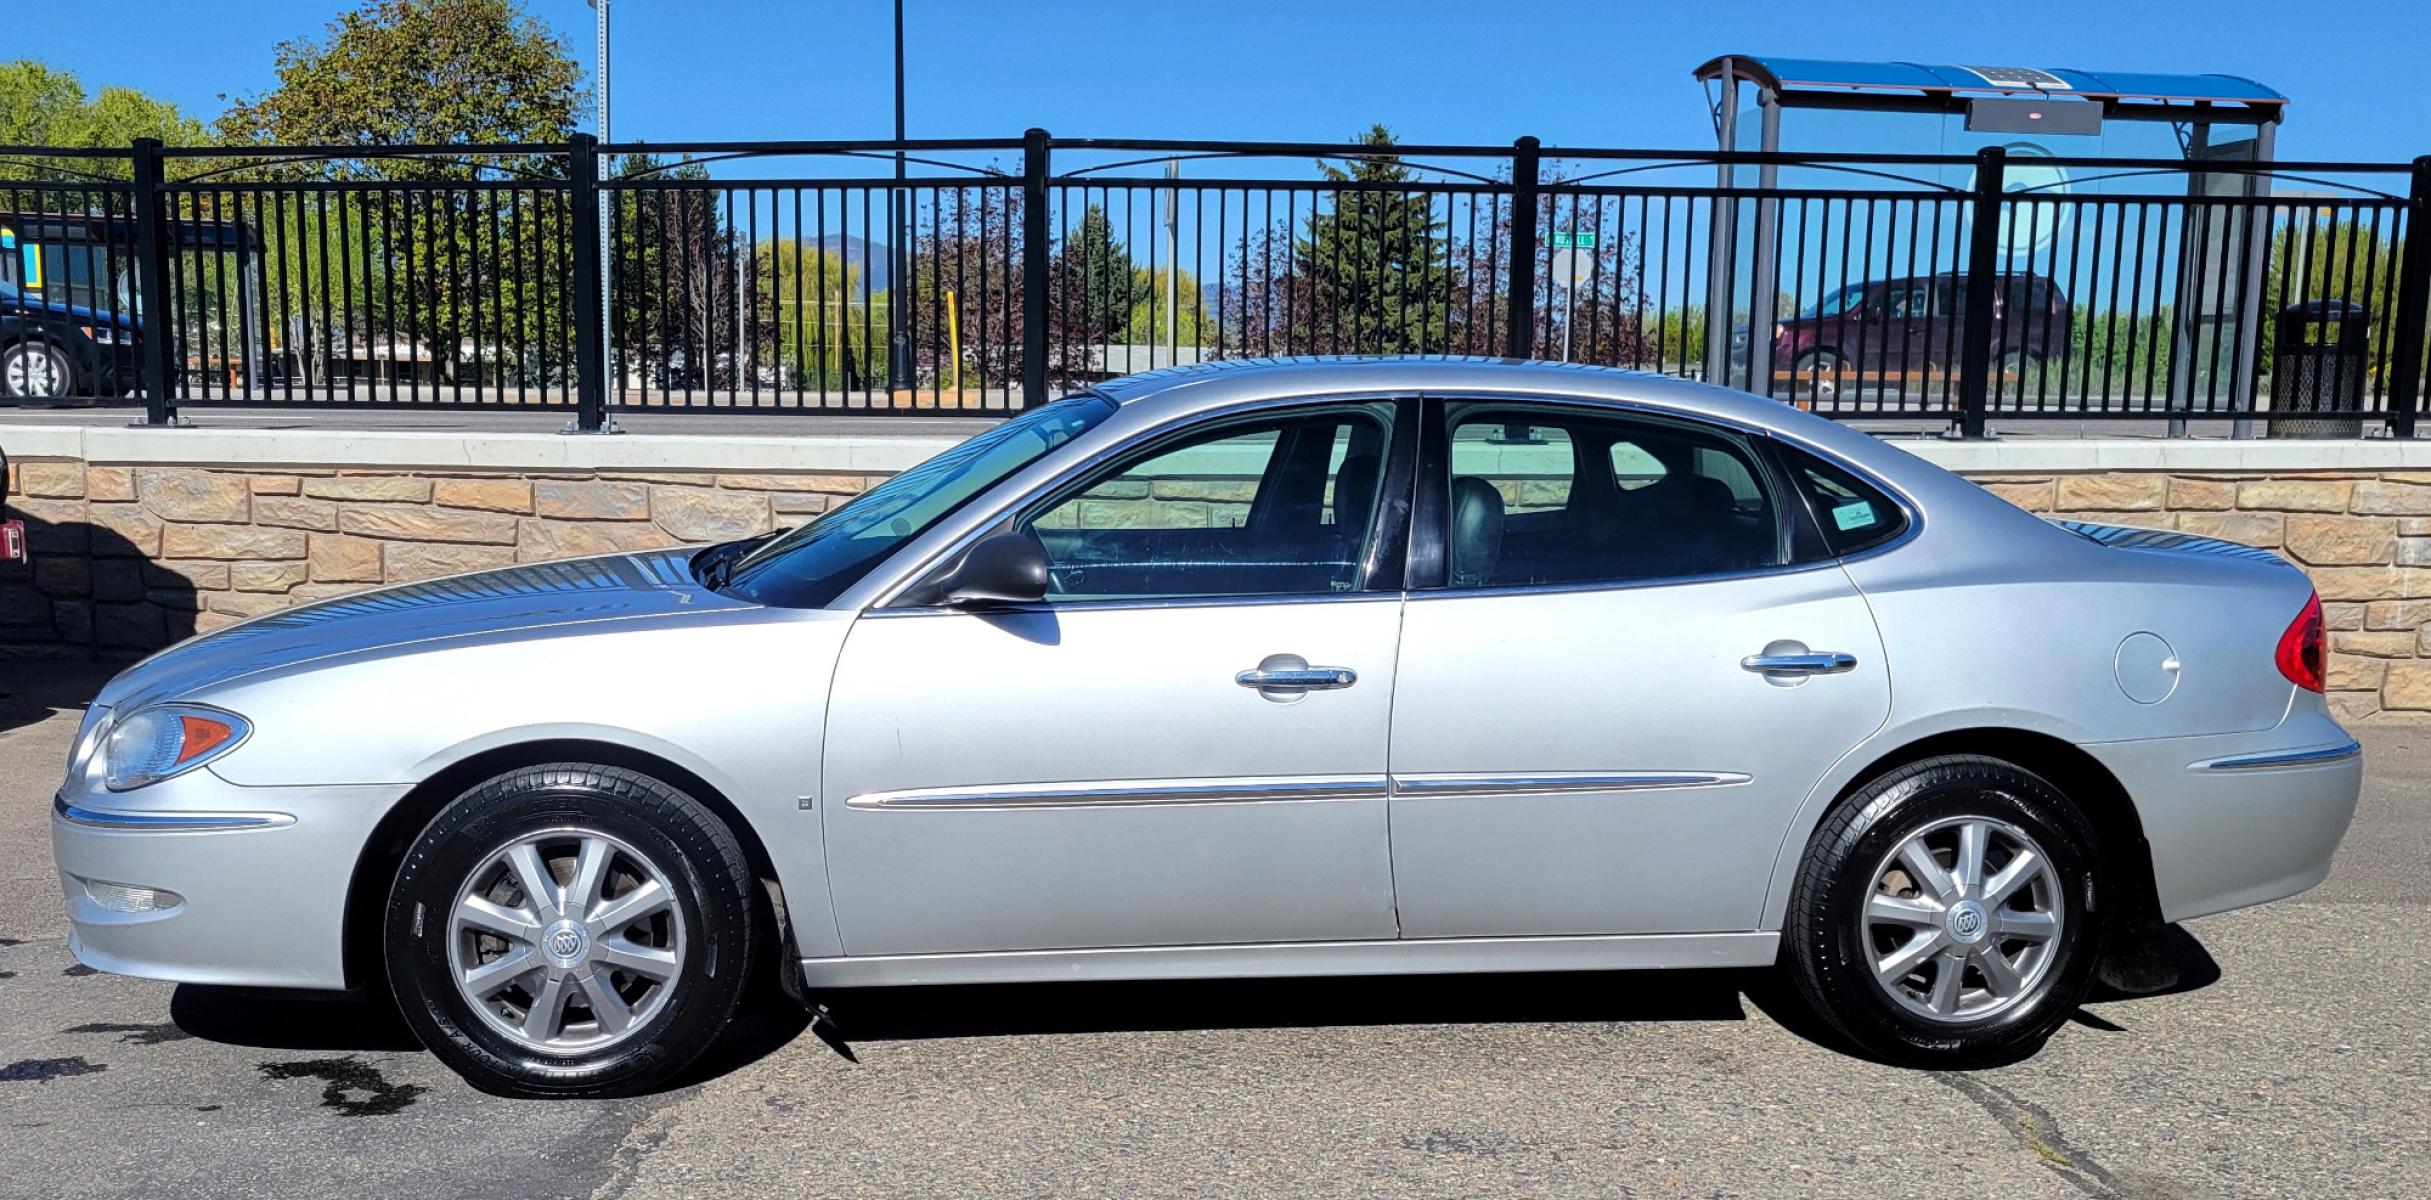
[813,565]
[1847,299]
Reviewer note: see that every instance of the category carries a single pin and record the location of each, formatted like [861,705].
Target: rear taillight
[2303,653]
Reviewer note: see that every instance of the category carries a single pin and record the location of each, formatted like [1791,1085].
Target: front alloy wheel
[567,941]
[572,930]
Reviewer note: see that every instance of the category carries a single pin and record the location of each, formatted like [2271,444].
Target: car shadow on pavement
[361,1022]
[994,1010]
[33,689]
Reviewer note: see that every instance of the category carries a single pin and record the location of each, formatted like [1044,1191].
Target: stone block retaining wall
[2363,536]
[130,558]
[133,554]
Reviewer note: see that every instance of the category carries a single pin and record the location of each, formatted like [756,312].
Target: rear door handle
[1286,676]
[1817,662]
[1311,679]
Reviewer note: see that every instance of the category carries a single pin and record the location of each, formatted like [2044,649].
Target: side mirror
[1004,568]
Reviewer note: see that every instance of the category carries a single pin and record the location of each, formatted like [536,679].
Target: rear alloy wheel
[1941,916]
[571,930]
[36,370]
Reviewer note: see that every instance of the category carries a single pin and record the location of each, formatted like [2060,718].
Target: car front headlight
[106,335]
[161,741]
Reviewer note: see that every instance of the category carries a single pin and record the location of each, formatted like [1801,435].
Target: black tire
[1817,375]
[715,897]
[1830,952]
[17,358]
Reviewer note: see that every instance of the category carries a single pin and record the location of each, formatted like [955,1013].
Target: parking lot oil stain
[79,971]
[8,974]
[7,941]
[134,1035]
[355,1088]
[44,1070]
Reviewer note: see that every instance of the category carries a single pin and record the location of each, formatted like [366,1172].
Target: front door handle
[1288,676]
[1813,662]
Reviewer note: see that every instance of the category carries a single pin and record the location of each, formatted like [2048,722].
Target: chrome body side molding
[1127,793]
[1453,783]
[1285,789]
[2312,757]
[1274,959]
[153,822]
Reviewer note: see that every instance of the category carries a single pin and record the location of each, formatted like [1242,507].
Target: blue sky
[1581,73]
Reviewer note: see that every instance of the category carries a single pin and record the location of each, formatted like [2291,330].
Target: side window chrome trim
[1622,585]
[1601,407]
[1907,503]
[1076,606]
[887,596]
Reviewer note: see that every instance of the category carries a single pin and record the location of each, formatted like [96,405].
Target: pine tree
[1373,275]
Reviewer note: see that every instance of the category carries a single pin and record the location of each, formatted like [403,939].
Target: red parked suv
[1891,328]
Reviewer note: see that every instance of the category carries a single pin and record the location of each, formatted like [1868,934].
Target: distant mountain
[861,254]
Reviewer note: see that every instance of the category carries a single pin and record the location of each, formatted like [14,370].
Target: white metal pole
[607,257]
[1569,290]
[1173,270]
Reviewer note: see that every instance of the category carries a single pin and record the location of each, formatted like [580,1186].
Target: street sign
[1583,239]
[1572,266]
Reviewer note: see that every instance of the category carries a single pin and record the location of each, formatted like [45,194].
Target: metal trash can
[2321,353]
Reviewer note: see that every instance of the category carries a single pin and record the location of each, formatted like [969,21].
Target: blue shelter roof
[1809,74]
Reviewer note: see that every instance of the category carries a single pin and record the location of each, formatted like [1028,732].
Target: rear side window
[1854,514]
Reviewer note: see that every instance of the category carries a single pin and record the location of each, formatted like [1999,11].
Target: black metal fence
[978,276]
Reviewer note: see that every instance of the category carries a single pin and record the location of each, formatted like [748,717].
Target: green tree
[1092,282]
[451,276]
[43,106]
[813,291]
[1371,274]
[1146,325]
[397,72]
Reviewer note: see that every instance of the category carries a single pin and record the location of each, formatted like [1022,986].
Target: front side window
[814,564]
[1269,508]
[1637,499]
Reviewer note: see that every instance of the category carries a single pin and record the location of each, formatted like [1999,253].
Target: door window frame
[1802,544]
[1383,571]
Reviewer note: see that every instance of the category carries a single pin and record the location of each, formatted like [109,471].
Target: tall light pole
[607,259]
[898,262]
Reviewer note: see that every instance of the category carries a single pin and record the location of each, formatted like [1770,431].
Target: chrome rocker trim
[1283,959]
[2317,756]
[145,822]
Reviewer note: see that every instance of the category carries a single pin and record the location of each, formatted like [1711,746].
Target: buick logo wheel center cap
[1968,922]
[565,943]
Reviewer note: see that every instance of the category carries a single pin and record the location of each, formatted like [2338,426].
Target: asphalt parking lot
[2298,1064]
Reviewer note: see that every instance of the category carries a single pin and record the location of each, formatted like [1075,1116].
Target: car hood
[515,601]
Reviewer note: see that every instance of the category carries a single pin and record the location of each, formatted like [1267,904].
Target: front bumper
[250,884]
[2243,819]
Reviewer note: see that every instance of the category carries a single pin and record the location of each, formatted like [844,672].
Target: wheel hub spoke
[567,948]
[1963,920]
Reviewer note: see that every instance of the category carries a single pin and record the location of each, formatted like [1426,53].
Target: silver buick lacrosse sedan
[1302,668]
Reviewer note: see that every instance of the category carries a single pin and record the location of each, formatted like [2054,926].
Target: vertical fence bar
[1520,324]
[152,248]
[1983,256]
[590,354]
[1034,256]
[2413,306]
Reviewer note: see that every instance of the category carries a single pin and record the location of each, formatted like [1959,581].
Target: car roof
[1182,392]
[1227,382]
